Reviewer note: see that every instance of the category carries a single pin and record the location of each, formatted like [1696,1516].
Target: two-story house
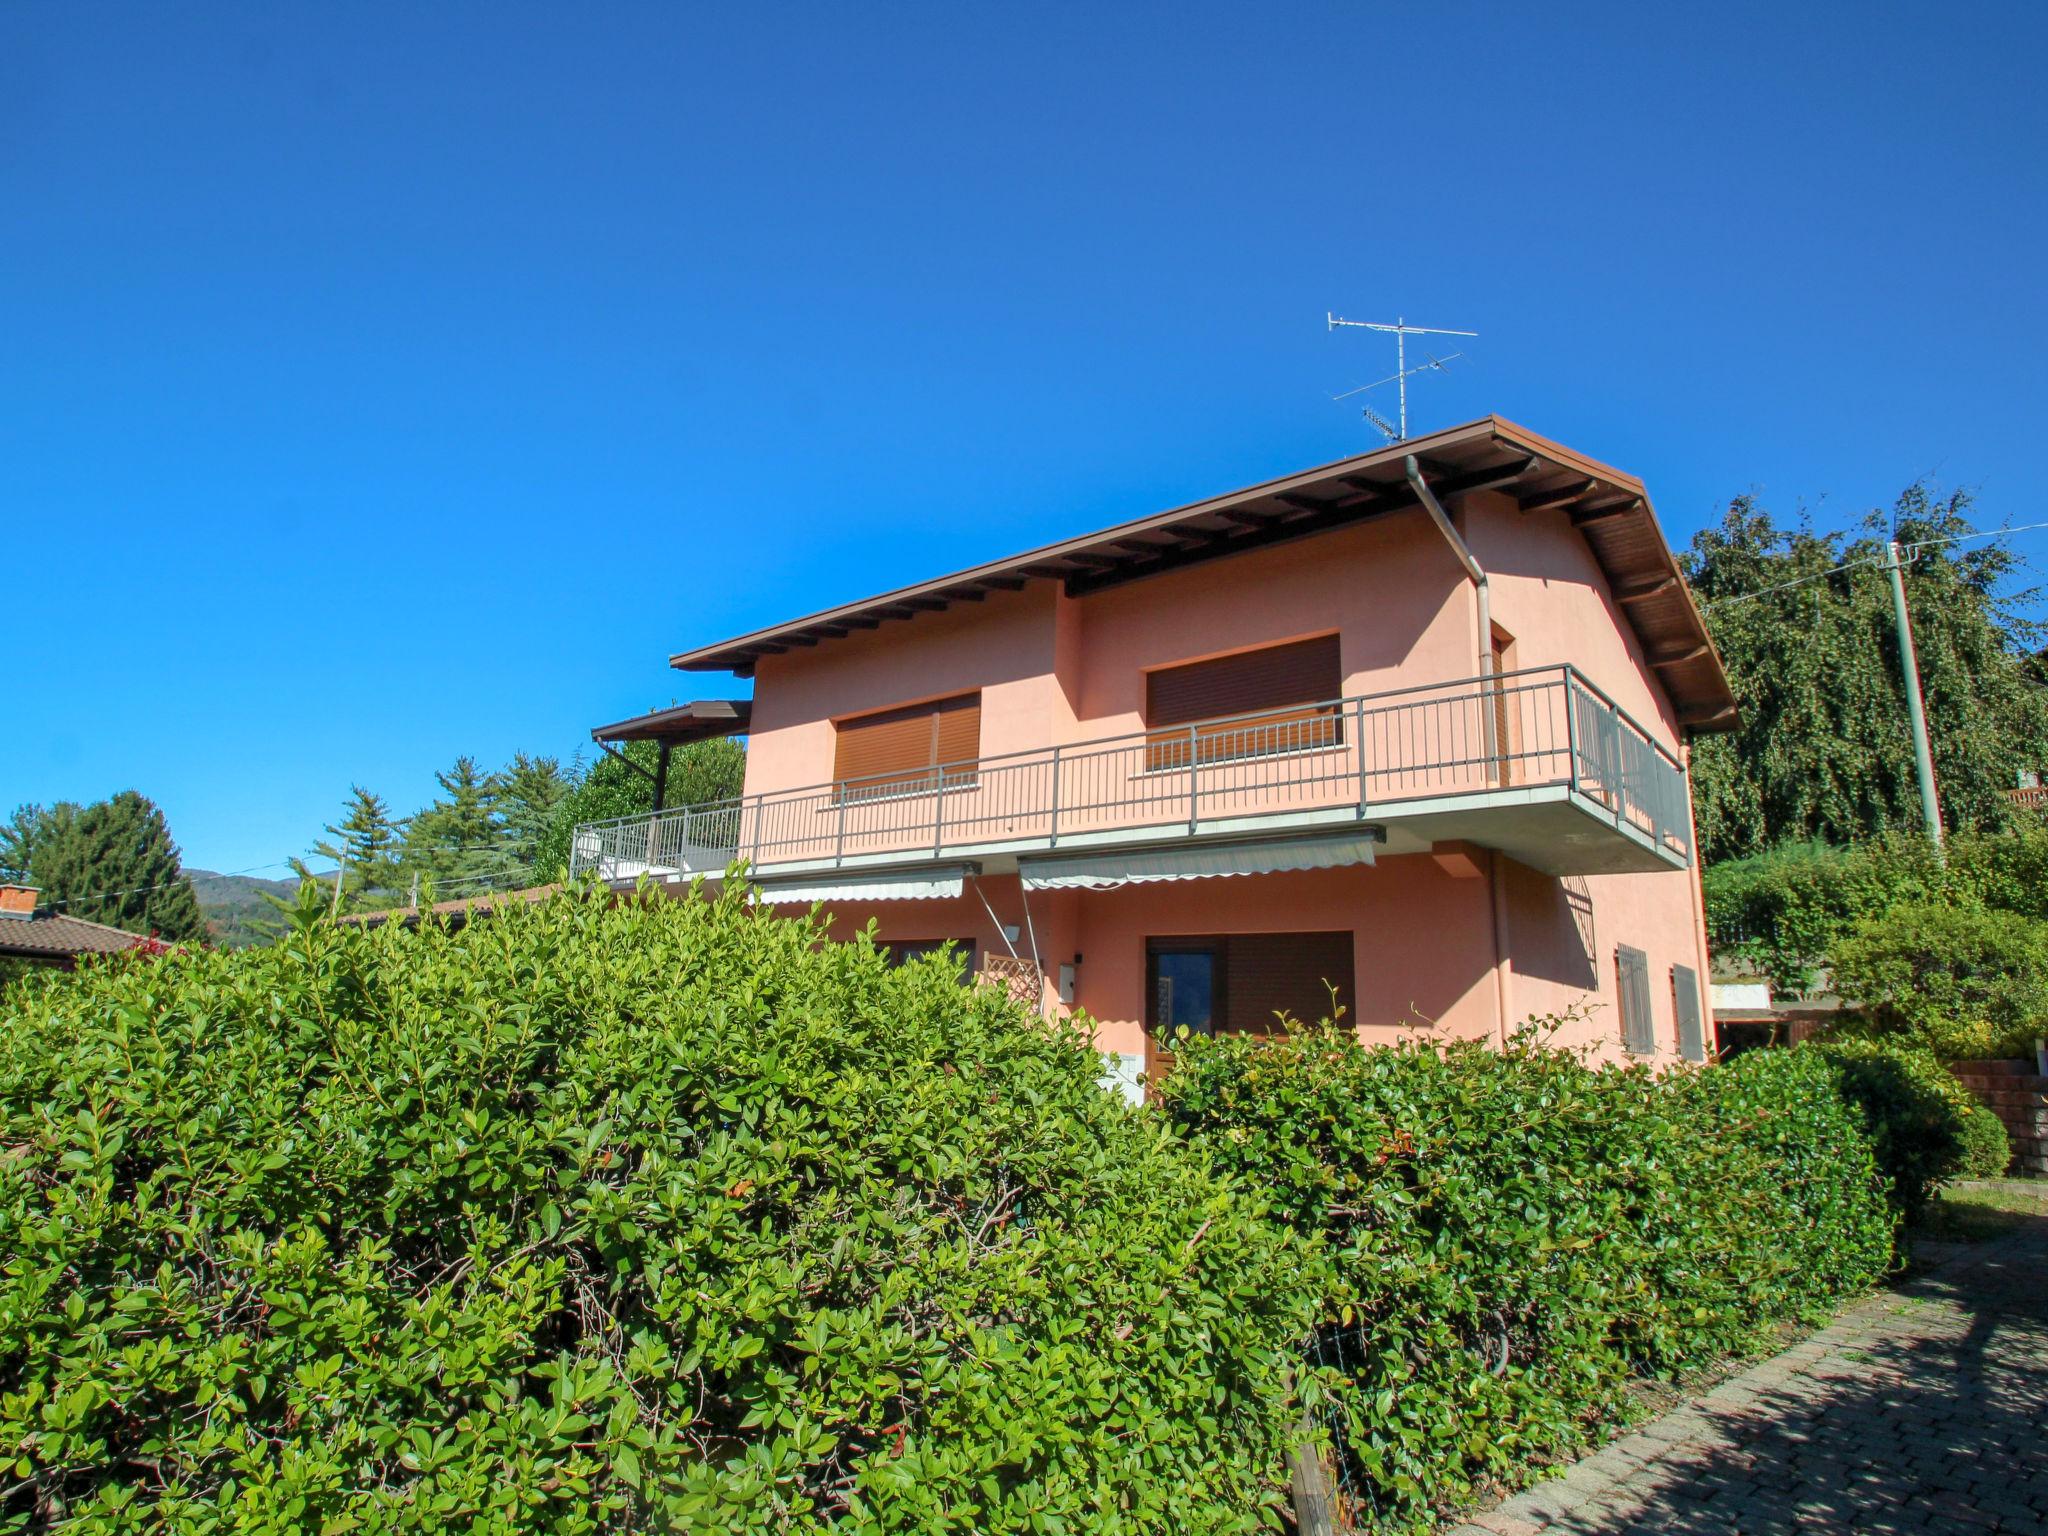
[1407,731]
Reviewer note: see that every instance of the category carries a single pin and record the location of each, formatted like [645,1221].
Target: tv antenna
[1401,331]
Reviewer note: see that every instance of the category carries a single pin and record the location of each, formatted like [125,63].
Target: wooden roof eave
[1608,506]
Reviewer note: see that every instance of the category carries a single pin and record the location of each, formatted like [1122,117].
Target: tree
[700,773]
[458,841]
[18,838]
[1803,620]
[531,792]
[364,845]
[110,862]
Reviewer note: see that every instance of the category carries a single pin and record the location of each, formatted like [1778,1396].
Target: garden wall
[2020,1099]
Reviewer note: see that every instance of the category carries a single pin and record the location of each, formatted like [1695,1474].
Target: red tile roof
[55,936]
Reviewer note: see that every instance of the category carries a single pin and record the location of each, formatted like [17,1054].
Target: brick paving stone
[1917,1411]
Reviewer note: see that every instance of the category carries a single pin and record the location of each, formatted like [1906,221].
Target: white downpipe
[1458,547]
[1496,892]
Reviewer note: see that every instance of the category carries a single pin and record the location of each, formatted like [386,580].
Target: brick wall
[2011,1091]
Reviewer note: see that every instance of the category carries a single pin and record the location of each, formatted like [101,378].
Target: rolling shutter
[1303,672]
[1274,973]
[1685,995]
[1632,978]
[895,751]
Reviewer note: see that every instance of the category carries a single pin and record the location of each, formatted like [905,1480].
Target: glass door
[1185,991]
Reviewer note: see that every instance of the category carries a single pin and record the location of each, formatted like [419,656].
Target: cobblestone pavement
[1923,1409]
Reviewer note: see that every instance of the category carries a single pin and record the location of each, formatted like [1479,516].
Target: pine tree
[365,846]
[531,792]
[110,862]
[458,842]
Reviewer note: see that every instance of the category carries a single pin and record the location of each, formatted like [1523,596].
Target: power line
[161,885]
[1850,565]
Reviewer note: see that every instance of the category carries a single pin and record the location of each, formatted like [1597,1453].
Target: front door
[1185,992]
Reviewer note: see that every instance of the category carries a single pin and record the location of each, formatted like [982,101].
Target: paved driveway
[1924,1409]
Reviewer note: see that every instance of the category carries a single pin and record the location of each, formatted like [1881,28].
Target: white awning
[1107,871]
[853,886]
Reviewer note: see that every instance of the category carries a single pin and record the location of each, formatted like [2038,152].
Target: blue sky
[380,383]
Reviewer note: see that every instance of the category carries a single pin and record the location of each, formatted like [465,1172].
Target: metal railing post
[1053,834]
[1620,766]
[938,809]
[1358,747]
[1194,785]
[1571,728]
[839,834]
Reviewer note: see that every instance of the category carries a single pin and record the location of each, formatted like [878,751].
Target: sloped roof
[699,720]
[55,935]
[461,907]
[1609,507]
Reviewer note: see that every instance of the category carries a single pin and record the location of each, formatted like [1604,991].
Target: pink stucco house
[1408,730]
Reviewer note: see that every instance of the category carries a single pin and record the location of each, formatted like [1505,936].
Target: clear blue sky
[380,383]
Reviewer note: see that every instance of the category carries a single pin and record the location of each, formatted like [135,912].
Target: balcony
[1539,764]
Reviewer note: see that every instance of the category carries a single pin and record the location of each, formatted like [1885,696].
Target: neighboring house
[44,937]
[1408,729]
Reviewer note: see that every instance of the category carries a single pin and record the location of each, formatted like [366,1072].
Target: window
[1301,672]
[1239,983]
[903,951]
[1632,978]
[914,749]
[1685,998]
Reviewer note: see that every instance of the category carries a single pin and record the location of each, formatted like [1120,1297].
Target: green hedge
[1987,1150]
[1515,1236]
[1964,980]
[1914,1112]
[657,1216]
[1784,911]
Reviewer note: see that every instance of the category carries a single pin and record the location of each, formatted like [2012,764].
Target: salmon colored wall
[1003,646]
[1058,669]
[1551,595]
[1392,590]
[1422,944]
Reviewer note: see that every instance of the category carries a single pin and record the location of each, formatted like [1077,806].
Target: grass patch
[1975,1210]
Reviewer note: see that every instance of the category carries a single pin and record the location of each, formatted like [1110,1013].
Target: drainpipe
[1442,520]
[1498,893]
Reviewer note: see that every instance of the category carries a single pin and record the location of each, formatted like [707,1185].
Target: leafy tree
[1804,621]
[364,844]
[110,862]
[698,774]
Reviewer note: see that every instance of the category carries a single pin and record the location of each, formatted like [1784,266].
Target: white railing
[1546,727]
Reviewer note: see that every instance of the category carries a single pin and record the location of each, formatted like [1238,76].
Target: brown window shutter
[897,749]
[1276,973]
[1300,672]
[959,730]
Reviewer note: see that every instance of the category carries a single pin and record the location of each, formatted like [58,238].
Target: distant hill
[234,906]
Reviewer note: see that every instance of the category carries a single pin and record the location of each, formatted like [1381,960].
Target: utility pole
[1909,662]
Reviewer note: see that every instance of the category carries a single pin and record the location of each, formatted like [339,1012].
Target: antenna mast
[1401,331]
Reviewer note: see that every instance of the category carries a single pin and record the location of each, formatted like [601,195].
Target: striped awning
[1107,871]
[906,885]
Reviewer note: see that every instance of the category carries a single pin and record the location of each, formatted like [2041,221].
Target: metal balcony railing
[1544,727]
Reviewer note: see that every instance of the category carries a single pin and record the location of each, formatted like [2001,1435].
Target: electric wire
[1909,548]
